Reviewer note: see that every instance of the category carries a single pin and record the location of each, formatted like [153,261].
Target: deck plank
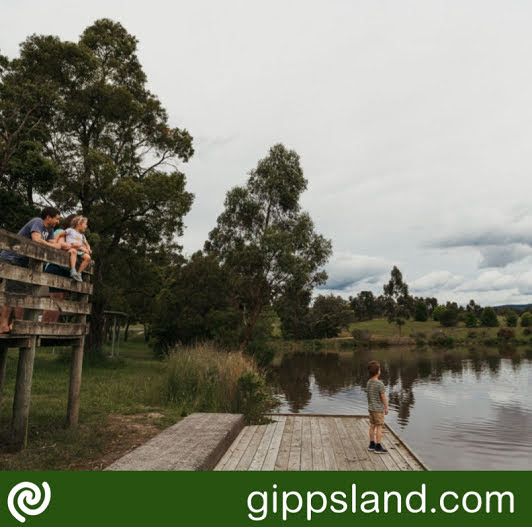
[328,452]
[294,460]
[262,450]
[273,450]
[354,461]
[227,456]
[281,463]
[306,445]
[241,448]
[318,459]
[251,450]
[337,447]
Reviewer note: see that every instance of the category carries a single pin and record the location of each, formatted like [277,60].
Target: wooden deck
[312,442]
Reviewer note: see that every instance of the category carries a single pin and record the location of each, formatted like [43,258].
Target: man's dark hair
[373,367]
[49,211]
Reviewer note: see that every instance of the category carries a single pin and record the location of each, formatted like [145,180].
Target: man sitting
[39,230]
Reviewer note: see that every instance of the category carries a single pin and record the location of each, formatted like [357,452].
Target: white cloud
[346,270]
[436,280]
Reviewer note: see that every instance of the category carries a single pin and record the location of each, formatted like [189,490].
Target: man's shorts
[12,286]
[376,418]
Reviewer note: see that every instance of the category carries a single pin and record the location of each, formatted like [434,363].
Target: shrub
[441,339]
[470,320]
[527,331]
[506,333]
[421,311]
[511,320]
[201,379]
[489,318]
[437,312]
[526,320]
[448,318]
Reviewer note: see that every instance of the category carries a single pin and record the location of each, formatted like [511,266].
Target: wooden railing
[69,328]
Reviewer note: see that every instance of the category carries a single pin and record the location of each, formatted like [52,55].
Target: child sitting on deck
[74,237]
[377,407]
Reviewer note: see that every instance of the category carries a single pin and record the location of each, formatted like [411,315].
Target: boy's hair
[77,220]
[49,211]
[373,367]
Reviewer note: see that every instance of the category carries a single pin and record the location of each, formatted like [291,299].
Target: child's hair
[67,222]
[373,367]
[77,220]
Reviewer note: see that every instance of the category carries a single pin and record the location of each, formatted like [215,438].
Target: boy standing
[377,406]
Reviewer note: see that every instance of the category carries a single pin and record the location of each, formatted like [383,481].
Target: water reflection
[460,408]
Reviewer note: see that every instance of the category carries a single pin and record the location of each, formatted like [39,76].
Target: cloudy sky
[413,120]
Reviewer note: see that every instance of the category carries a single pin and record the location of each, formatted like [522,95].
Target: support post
[3,368]
[75,383]
[21,401]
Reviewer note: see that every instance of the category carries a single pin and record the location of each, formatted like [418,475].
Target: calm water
[458,409]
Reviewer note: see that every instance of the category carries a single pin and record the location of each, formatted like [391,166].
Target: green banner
[271,498]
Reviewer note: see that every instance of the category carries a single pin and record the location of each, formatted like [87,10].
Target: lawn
[121,407]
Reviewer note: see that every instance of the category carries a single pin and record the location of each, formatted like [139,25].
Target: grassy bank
[124,402]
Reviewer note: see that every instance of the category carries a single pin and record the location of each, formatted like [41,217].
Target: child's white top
[73,236]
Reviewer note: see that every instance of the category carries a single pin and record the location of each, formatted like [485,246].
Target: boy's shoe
[371,445]
[77,277]
[73,273]
[379,449]
[80,277]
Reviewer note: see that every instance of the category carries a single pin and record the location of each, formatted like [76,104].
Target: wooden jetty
[68,310]
[316,442]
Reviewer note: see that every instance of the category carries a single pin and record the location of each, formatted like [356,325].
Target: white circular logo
[29,496]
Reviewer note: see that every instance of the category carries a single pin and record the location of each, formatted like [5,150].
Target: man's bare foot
[4,329]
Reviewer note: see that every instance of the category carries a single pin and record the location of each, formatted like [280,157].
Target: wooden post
[21,401]
[26,358]
[3,368]
[76,368]
[75,383]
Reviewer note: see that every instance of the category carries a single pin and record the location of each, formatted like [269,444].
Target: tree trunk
[249,327]
[126,331]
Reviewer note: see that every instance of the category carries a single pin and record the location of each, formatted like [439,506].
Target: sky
[413,121]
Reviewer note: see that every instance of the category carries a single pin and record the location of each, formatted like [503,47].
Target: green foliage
[202,379]
[526,319]
[470,320]
[489,318]
[264,240]
[448,317]
[196,303]
[441,339]
[398,306]
[365,305]
[329,314]
[506,333]
[293,309]
[421,311]
[438,311]
[511,319]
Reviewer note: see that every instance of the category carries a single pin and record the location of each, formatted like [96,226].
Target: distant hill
[522,307]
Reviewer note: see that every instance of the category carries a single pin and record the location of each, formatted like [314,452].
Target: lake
[458,409]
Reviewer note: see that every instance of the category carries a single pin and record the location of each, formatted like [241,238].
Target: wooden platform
[311,442]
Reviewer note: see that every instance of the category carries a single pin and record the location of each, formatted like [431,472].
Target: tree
[264,240]
[116,155]
[329,314]
[399,303]
[489,318]
[526,319]
[448,317]
[293,309]
[438,313]
[197,303]
[364,305]
[421,311]
[471,320]
[511,319]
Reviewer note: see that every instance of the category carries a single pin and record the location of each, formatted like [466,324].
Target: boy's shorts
[376,418]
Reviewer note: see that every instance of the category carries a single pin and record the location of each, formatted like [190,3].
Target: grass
[124,402]
[381,327]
